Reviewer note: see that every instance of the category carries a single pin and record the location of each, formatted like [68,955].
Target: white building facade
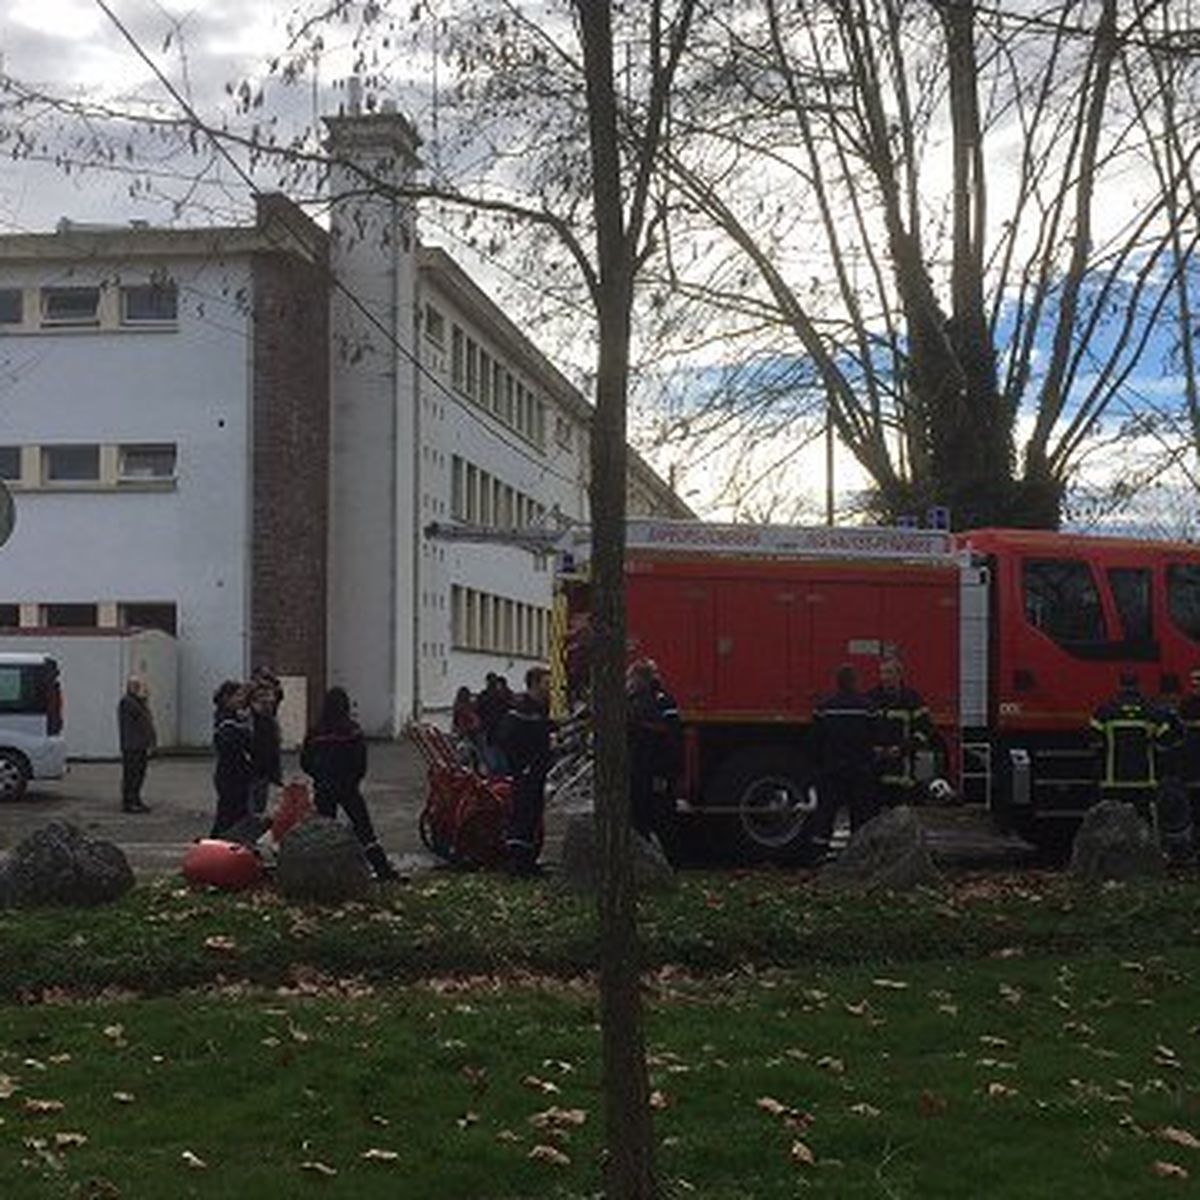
[239,435]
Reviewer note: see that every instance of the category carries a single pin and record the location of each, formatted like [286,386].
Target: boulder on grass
[60,865]
[321,860]
[581,859]
[889,853]
[1114,843]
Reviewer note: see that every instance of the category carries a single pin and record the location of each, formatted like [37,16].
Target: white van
[31,722]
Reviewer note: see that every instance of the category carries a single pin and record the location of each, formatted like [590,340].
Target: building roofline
[281,226]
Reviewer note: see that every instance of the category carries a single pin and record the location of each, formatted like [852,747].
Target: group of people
[249,760]
[866,747]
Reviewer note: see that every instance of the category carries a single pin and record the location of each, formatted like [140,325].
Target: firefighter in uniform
[1182,817]
[843,729]
[902,727]
[654,737]
[525,735]
[1130,734]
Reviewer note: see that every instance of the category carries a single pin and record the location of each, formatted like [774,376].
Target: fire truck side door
[844,627]
[751,631]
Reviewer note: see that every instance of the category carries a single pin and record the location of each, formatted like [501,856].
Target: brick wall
[290,457]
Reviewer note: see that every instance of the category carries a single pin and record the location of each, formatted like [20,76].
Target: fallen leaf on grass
[193,1160]
[1180,1137]
[550,1155]
[467,1120]
[930,1104]
[41,1108]
[558,1118]
[115,1033]
[891,985]
[382,1156]
[659,1100]
[540,1085]
[1169,1170]
[863,1109]
[1000,1091]
[990,1039]
[771,1106]
[124,1097]
[8,1087]
[314,1167]
[65,1141]
[507,1135]
[222,943]
[802,1156]
[828,1062]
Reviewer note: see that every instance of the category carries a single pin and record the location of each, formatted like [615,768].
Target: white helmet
[940,791]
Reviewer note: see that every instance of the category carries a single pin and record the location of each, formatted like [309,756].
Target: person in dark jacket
[525,735]
[334,755]
[902,727]
[491,705]
[654,740]
[266,695]
[843,731]
[1129,735]
[233,741]
[135,728]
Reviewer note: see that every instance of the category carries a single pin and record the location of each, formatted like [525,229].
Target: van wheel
[14,775]
[768,792]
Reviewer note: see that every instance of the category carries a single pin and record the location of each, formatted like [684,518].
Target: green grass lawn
[1008,1078]
[996,1037]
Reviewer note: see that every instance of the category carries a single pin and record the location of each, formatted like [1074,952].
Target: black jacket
[1129,733]
[135,725]
[268,760]
[844,730]
[524,734]
[336,759]
[1189,716]
[233,740]
[655,734]
[901,724]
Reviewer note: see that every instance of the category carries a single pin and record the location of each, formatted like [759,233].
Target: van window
[1183,598]
[1131,593]
[11,688]
[1062,600]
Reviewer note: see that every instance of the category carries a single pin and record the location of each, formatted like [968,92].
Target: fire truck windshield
[1183,598]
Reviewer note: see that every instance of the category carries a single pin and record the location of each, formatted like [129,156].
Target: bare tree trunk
[629,1172]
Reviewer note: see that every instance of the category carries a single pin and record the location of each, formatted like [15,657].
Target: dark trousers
[893,795]
[233,804]
[259,791]
[354,806]
[133,775]
[847,788]
[525,820]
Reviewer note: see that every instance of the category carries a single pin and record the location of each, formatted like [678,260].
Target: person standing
[233,741]
[135,729]
[1129,734]
[491,706]
[334,756]
[902,727]
[653,740]
[266,694]
[843,729]
[525,737]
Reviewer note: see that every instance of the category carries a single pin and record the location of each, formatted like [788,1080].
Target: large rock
[321,860]
[1115,843]
[889,853]
[581,859]
[59,865]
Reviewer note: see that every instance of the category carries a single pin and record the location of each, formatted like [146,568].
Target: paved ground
[180,793]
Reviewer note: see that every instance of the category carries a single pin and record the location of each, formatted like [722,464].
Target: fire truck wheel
[768,790]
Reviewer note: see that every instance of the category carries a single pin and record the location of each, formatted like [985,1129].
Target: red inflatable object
[295,806]
[226,865]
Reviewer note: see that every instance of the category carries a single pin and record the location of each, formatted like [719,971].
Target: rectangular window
[539,424]
[472,493]
[69,616]
[458,507]
[1183,598]
[71,306]
[472,619]
[148,616]
[485,378]
[472,368]
[562,432]
[1131,592]
[12,680]
[435,325]
[458,357]
[10,616]
[506,507]
[10,462]
[12,306]
[149,303]
[497,389]
[1062,600]
[70,464]
[485,498]
[510,388]
[139,463]
[457,615]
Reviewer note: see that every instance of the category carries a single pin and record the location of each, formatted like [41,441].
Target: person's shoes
[381,865]
[136,807]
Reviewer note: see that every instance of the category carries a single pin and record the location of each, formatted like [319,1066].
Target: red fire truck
[1012,637]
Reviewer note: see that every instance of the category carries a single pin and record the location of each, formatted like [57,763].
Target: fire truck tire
[767,791]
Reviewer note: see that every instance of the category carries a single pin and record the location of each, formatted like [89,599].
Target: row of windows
[121,615]
[1062,599]
[89,307]
[488,381]
[482,621]
[479,497]
[88,463]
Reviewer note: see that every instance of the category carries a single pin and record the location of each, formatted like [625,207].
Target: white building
[238,435]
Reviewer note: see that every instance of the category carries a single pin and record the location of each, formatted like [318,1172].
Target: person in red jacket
[334,755]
